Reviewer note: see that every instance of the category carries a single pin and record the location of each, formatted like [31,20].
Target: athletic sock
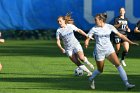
[86,61]
[83,67]
[123,74]
[94,74]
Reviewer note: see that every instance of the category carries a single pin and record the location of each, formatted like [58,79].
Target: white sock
[123,74]
[94,74]
[83,67]
[86,61]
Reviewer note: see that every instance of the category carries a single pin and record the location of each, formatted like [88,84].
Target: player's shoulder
[108,25]
[93,28]
[70,25]
[58,29]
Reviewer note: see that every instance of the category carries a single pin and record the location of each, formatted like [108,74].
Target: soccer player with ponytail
[104,48]
[72,46]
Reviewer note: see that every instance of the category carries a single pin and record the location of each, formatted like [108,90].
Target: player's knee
[125,52]
[82,58]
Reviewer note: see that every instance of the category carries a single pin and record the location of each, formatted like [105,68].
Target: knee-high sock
[123,74]
[94,74]
[86,61]
[83,67]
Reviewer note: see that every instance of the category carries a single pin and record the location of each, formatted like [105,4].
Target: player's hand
[63,50]
[135,43]
[86,46]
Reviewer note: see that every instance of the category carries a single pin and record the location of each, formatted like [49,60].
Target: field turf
[38,66]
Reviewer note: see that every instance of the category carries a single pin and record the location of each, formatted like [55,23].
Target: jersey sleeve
[57,34]
[73,27]
[90,33]
[113,29]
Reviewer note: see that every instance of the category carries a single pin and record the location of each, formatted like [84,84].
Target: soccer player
[137,28]
[121,23]
[72,46]
[1,41]
[104,48]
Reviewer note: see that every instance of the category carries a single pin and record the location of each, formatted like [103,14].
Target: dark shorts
[117,40]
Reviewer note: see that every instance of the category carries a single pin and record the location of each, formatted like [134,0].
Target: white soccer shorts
[74,50]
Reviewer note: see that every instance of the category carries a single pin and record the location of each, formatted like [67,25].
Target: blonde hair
[68,18]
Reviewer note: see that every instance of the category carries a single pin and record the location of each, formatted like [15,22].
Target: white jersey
[67,35]
[102,37]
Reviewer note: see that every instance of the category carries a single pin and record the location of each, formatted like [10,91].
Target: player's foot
[89,74]
[91,66]
[129,86]
[92,85]
[123,63]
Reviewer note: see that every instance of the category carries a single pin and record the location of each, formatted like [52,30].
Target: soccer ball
[78,72]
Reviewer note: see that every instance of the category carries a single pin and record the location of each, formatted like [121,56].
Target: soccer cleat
[89,74]
[91,66]
[92,85]
[129,86]
[123,63]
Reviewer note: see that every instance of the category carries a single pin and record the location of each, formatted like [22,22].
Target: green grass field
[39,67]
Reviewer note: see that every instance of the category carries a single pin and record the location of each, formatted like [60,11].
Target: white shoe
[89,74]
[123,63]
[129,86]
[92,85]
[91,66]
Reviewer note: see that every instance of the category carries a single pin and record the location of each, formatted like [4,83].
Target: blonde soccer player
[72,46]
[104,48]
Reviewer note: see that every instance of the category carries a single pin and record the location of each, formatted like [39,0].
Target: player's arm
[59,45]
[116,24]
[82,32]
[87,42]
[125,38]
[136,30]
[127,28]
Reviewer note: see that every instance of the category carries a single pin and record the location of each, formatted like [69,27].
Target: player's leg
[117,48]
[0,66]
[78,49]
[114,59]
[117,45]
[74,59]
[84,59]
[100,66]
[125,52]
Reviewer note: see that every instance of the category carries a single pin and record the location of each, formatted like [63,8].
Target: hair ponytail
[102,16]
[68,18]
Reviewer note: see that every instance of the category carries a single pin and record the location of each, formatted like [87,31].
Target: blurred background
[37,19]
